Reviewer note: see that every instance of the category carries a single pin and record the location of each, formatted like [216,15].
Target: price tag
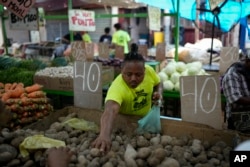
[228,56]
[160,52]
[88,84]
[201,100]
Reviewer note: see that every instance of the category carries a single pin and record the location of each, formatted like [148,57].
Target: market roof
[54,5]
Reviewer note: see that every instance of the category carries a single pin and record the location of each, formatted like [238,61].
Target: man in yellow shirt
[120,37]
[86,37]
[130,93]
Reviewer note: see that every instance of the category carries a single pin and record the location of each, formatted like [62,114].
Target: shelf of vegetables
[26,101]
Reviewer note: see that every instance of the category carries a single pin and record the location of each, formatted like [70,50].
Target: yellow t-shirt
[135,101]
[86,38]
[121,38]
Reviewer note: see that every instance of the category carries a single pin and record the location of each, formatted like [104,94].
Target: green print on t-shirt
[121,39]
[140,100]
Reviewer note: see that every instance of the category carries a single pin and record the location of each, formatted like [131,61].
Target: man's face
[133,73]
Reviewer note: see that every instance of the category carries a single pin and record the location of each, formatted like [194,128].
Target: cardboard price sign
[160,52]
[103,50]
[119,52]
[18,7]
[82,51]
[201,100]
[143,50]
[228,56]
[88,84]
[28,22]
[81,20]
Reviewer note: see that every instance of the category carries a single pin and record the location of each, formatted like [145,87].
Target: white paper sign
[154,15]
[28,22]
[81,20]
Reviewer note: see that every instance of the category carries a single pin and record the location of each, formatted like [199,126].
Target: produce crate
[66,84]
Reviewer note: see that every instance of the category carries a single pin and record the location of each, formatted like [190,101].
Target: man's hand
[102,143]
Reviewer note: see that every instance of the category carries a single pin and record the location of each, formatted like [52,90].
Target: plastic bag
[38,142]
[151,122]
[81,124]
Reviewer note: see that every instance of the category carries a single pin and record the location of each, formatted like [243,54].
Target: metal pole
[177,29]
[4,29]
[69,8]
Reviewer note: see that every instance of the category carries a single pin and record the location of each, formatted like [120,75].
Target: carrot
[17,92]
[14,107]
[37,94]
[1,85]
[20,85]
[13,101]
[6,96]
[25,101]
[33,88]
[13,86]
[7,87]
[2,90]
[23,95]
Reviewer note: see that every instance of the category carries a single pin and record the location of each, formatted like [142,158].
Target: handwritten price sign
[81,20]
[88,84]
[200,100]
[18,7]
[28,22]
[228,56]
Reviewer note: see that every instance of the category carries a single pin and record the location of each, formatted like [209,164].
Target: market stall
[194,135]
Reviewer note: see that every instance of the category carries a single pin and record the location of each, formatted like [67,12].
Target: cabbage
[168,85]
[193,70]
[177,86]
[163,76]
[169,69]
[196,64]
[180,66]
[175,77]
[202,72]
[184,73]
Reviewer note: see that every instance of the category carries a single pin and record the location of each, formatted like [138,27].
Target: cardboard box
[42,80]
[65,84]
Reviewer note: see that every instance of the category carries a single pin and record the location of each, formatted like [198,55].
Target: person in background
[236,88]
[59,50]
[106,37]
[121,38]
[76,37]
[86,37]
[138,85]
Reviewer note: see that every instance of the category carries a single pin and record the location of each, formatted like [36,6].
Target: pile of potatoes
[147,150]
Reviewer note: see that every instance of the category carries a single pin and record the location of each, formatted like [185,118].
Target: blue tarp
[232,12]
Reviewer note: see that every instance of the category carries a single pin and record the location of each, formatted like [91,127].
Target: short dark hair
[133,55]
[117,26]
[107,30]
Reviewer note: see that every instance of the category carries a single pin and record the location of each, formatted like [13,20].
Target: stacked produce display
[27,104]
[172,72]
[25,99]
